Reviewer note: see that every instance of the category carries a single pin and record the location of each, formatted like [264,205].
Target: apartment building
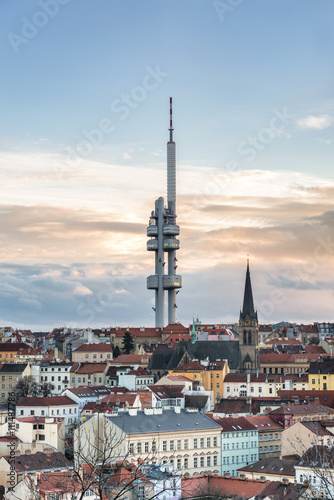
[188,440]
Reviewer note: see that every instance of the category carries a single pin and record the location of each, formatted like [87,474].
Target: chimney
[227,475]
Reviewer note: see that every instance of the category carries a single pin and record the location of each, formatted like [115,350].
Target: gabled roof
[317,456]
[193,366]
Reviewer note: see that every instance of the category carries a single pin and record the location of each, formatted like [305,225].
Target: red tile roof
[41,401]
[241,378]
[90,368]
[264,423]
[13,346]
[167,391]
[140,372]
[136,359]
[40,461]
[203,486]
[192,366]
[234,424]
[94,348]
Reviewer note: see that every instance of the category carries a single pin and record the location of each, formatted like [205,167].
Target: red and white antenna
[171,119]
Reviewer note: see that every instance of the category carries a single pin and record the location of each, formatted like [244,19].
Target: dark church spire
[248,305]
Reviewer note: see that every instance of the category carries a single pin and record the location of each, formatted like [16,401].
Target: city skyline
[85,99]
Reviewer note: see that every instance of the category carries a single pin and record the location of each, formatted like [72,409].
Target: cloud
[316,122]
[126,156]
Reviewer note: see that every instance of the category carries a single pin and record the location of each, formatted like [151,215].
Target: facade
[321,375]
[47,430]
[270,433]
[284,363]
[189,441]
[239,444]
[88,374]
[249,359]
[302,435]
[167,396]
[245,385]
[290,382]
[10,375]
[8,351]
[136,379]
[92,353]
[56,406]
[56,373]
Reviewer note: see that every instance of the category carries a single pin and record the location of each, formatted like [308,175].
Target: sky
[85,89]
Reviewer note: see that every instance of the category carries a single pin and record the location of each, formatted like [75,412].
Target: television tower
[162,230]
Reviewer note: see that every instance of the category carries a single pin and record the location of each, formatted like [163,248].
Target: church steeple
[248,331]
[248,305]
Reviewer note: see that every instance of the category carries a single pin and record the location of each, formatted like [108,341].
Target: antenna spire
[171,120]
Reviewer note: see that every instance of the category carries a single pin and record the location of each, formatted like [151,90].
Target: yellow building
[210,375]
[321,375]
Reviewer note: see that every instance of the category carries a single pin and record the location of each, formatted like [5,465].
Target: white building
[56,406]
[244,385]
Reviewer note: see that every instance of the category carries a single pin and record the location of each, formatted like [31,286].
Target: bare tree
[27,386]
[100,466]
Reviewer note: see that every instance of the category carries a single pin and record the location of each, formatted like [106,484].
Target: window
[215,460]
[227,389]
[195,462]
[208,442]
[195,443]
[178,445]
[146,446]
[208,461]
[32,412]
[214,441]
[185,443]
[164,445]
[171,445]
[202,442]
[217,384]
[178,464]
[41,437]
[313,381]
[186,463]
[138,447]
[131,448]
[202,461]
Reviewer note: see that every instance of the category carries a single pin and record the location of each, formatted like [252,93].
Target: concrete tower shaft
[162,230]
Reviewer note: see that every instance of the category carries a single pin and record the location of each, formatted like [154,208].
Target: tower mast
[162,229]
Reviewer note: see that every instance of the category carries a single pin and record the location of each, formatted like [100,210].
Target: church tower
[249,358]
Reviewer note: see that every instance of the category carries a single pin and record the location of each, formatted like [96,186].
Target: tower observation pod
[162,231]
